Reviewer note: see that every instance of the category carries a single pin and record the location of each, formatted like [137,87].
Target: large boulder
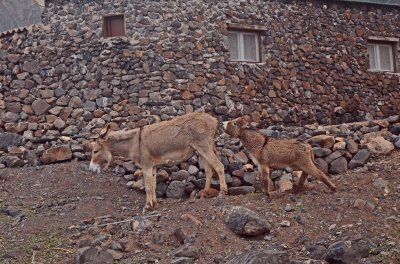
[245,222]
[56,154]
[347,252]
[379,145]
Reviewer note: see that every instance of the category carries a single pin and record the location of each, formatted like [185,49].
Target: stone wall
[61,80]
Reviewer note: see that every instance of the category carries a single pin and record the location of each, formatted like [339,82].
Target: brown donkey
[165,143]
[273,153]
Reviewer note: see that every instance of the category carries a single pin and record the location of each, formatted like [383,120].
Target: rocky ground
[59,213]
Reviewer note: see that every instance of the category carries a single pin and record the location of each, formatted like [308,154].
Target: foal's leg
[266,181]
[311,169]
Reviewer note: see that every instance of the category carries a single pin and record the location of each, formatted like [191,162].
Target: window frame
[241,32]
[393,59]
[107,32]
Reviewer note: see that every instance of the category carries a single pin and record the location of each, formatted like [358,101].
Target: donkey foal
[273,153]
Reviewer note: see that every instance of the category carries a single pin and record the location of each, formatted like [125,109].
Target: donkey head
[233,127]
[101,153]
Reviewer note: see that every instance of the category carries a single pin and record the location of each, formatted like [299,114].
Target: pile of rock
[336,149]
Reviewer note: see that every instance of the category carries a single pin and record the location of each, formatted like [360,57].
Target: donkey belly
[173,157]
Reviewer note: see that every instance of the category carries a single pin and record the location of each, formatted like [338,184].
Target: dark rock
[338,165]
[91,255]
[9,139]
[119,171]
[180,175]
[333,156]
[187,251]
[10,211]
[31,66]
[176,189]
[249,178]
[322,165]
[395,129]
[181,234]
[276,174]
[182,260]
[317,251]
[161,189]
[359,159]
[347,252]
[13,162]
[397,142]
[241,190]
[245,222]
[130,166]
[40,106]
[200,183]
[352,146]
[321,152]
[260,257]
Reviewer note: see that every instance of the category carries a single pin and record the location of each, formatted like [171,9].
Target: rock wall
[62,81]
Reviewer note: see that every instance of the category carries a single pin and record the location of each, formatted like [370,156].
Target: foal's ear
[104,131]
[242,121]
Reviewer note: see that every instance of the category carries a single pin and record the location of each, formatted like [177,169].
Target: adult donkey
[164,143]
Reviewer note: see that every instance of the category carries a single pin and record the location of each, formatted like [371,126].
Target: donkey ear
[104,131]
[241,121]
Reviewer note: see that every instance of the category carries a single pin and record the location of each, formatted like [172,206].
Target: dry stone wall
[62,81]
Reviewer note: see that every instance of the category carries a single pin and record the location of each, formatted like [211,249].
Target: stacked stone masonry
[61,81]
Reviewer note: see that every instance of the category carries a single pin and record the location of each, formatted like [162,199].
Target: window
[244,46]
[113,26]
[381,56]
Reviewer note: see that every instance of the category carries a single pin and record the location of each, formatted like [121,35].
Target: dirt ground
[65,207]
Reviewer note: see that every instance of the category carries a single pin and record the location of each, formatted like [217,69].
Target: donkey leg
[300,185]
[209,155]
[153,187]
[148,185]
[266,181]
[313,170]
[209,172]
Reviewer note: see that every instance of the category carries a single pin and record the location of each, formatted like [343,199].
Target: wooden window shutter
[114,26]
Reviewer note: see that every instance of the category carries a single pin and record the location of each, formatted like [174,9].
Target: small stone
[288,208]
[187,251]
[241,190]
[268,238]
[285,223]
[88,255]
[299,219]
[359,203]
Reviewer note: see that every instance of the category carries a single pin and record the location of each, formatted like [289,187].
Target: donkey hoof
[222,194]
[148,207]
